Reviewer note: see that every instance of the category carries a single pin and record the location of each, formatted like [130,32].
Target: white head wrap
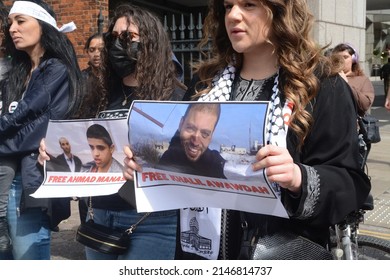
[34,10]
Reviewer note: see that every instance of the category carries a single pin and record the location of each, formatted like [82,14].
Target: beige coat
[363,91]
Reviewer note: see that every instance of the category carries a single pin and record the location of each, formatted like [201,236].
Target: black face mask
[121,62]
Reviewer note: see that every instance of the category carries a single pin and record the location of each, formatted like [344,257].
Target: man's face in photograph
[196,132]
[101,152]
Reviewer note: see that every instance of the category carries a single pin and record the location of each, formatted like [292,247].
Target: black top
[333,185]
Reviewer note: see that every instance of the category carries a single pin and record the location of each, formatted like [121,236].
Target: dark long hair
[3,23]
[3,15]
[95,92]
[56,45]
[155,72]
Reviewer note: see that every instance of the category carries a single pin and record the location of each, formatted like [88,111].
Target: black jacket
[333,185]
[46,97]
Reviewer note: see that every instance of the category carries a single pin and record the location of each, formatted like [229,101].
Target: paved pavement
[377,221]
[64,245]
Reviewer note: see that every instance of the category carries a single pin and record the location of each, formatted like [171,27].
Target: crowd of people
[262,51]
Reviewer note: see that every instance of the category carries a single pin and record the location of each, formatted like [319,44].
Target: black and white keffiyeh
[279,114]
[276,132]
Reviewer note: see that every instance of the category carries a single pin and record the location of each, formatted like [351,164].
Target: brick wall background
[84,13]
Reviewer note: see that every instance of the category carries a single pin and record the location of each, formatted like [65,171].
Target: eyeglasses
[124,36]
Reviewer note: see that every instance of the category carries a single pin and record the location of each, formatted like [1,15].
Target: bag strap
[131,229]
[134,226]
[90,209]
[246,246]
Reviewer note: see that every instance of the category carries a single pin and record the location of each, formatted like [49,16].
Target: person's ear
[112,148]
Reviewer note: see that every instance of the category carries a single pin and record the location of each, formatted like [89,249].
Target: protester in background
[262,50]
[93,47]
[137,63]
[362,88]
[93,79]
[44,82]
[385,76]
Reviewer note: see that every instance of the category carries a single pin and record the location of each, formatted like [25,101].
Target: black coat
[46,98]
[333,185]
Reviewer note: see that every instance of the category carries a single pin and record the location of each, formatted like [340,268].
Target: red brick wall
[84,13]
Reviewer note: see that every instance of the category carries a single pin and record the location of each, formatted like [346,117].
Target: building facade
[363,23]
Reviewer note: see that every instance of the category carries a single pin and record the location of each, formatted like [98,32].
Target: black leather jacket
[46,97]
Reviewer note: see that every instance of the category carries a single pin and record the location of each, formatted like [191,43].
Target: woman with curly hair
[148,72]
[137,63]
[262,50]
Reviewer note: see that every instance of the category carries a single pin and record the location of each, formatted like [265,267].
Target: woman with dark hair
[353,74]
[93,47]
[43,82]
[94,92]
[137,64]
[122,78]
[262,50]
[148,73]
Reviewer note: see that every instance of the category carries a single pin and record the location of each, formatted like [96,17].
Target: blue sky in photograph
[240,122]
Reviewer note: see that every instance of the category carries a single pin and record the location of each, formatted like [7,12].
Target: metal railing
[185,38]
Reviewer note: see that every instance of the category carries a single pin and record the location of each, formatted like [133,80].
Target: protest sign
[197,160]
[85,158]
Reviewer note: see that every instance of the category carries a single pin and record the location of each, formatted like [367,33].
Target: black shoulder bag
[369,128]
[105,239]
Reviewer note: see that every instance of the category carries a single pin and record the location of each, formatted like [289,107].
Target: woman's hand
[344,76]
[279,167]
[130,164]
[42,152]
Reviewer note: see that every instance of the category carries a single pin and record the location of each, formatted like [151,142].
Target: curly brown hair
[156,72]
[300,59]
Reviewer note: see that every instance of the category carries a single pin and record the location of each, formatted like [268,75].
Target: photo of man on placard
[97,169]
[197,138]
[189,151]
